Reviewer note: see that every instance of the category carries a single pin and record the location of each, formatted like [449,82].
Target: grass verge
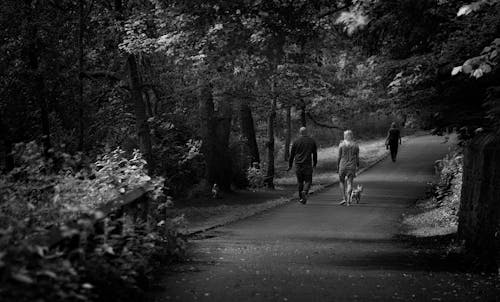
[437,215]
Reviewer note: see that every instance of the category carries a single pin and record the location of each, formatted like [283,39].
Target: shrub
[255,176]
[109,261]
[176,155]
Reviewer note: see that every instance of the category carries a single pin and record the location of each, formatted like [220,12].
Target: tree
[140,110]
[248,130]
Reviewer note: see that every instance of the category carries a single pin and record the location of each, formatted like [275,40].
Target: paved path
[326,252]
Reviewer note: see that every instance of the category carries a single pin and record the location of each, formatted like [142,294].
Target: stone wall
[479,215]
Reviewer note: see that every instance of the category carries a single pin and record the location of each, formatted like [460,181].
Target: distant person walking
[347,165]
[393,140]
[304,151]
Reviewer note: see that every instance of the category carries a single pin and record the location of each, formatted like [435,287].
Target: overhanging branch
[101,74]
[333,11]
[321,124]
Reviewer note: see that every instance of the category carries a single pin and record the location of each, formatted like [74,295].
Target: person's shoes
[342,202]
[302,201]
[304,197]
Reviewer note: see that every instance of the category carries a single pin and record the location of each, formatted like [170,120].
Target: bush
[112,260]
[177,155]
[255,177]
[450,171]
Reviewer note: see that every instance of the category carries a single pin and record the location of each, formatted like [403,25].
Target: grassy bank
[437,215]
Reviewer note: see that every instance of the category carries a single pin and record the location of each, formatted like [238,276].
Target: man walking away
[392,141]
[304,151]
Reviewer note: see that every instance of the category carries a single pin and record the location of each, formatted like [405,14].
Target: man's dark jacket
[304,151]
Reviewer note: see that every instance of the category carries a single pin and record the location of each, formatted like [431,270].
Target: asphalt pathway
[322,251]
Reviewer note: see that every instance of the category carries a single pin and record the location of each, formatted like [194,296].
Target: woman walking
[347,165]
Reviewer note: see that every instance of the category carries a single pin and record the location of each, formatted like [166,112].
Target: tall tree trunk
[288,133]
[151,101]
[223,155]
[248,131]
[140,111]
[270,143]
[40,99]
[81,129]
[303,120]
[7,144]
[208,135]
[38,93]
[44,115]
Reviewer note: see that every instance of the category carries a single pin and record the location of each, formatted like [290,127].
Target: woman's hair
[348,136]
[393,125]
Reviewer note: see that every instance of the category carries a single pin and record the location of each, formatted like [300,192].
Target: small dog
[356,194]
[216,192]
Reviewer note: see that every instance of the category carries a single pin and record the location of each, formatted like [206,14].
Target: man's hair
[348,135]
[393,125]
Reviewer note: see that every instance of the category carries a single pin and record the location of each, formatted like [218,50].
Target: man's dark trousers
[304,154]
[304,175]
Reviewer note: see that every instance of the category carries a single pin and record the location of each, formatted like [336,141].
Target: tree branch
[101,74]
[324,125]
[333,11]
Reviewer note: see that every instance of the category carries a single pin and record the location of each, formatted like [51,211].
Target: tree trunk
[223,156]
[81,126]
[7,143]
[303,120]
[140,111]
[248,131]
[270,144]
[40,99]
[206,108]
[288,133]
[38,92]
[151,101]
[44,114]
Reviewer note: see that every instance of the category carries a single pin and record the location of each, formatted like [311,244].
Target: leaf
[485,68]
[456,70]
[478,73]
[41,250]
[486,49]
[23,278]
[108,249]
[87,286]
[493,54]
[466,68]
[98,215]
[48,273]
[464,10]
